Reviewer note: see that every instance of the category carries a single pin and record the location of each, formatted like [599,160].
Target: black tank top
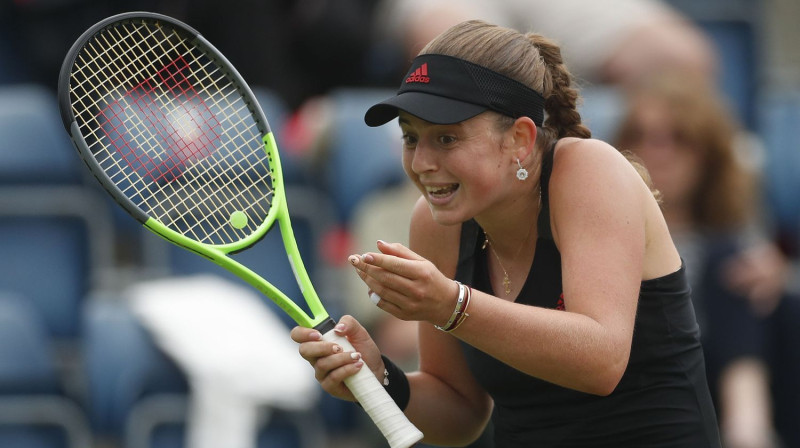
[663,398]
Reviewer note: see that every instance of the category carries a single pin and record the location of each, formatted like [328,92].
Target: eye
[409,140]
[447,140]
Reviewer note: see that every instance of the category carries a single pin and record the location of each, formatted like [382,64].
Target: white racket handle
[395,426]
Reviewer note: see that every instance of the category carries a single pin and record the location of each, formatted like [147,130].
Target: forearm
[445,416]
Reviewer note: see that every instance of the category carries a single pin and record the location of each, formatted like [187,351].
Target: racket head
[175,135]
[172,131]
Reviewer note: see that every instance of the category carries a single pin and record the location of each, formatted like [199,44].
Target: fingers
[331,362]
[397,250]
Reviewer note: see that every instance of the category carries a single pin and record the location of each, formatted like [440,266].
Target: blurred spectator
[612,42]
[684,134]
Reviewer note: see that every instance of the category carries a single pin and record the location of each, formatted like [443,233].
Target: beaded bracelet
[460,310]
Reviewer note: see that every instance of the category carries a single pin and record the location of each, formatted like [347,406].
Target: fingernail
[355,355]
[339,328]
[353,259]
[381,242]
[336,349]
[368,258]
[315,335]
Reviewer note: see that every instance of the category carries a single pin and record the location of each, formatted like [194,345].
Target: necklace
[506,279]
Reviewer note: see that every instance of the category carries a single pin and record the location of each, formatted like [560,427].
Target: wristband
[396,383]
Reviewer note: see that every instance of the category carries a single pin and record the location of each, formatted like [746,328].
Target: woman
[551,237]
[679,127]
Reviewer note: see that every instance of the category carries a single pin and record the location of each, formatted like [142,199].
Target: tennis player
[550,296]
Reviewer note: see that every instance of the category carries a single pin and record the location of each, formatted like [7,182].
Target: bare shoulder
[593,166]
[589,154]
[433,241]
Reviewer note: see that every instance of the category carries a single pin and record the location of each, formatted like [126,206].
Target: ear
[523,137]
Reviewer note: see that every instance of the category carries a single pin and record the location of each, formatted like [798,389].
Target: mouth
[441,192]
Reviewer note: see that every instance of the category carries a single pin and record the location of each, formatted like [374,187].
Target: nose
[422,158]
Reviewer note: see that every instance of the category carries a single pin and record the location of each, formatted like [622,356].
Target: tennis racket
[172,131]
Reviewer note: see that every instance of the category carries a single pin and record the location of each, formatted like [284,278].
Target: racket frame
[218,253]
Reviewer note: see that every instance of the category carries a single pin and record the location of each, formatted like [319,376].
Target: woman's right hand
[331,363]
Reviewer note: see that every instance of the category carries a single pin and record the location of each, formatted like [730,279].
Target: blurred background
[86,360]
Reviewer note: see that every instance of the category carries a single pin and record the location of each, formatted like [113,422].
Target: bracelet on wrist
[460,310]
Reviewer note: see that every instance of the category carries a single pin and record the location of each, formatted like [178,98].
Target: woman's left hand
[410,287]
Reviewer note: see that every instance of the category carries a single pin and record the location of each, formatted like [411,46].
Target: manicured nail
[367,258]
[353,259]
[381,242]
[355,355]
[315,335]
[336,349]
[339,328]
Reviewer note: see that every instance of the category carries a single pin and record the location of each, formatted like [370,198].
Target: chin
[447,218]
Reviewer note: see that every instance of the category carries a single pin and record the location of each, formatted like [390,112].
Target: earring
[522,173]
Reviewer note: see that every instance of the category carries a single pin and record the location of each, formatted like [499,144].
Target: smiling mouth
[441,191]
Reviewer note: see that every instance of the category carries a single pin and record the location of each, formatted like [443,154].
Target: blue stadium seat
[35,148]
[58,244]
[736,42]
[779,113]
[34,413]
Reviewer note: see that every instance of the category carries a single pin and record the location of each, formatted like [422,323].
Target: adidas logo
[419,75]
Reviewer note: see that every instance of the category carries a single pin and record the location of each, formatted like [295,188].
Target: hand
[410,287]
[760,273]
[332,364]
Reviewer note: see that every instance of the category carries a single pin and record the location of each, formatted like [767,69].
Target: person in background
[533,254]
[683,132]
[614,42]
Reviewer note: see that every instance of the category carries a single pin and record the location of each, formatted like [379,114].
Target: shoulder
[588,156]
[435,242]
[592,179]
[590,167]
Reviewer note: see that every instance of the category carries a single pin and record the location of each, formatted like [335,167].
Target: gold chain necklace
[506,280]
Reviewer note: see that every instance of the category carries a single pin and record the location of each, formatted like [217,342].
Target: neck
[511,228]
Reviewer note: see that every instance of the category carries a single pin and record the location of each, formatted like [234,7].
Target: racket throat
[325,326]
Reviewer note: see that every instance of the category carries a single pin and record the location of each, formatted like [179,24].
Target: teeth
[441,190]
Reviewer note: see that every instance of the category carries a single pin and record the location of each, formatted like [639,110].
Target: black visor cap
[446,90]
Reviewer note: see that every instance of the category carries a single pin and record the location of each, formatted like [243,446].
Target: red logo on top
[419,75]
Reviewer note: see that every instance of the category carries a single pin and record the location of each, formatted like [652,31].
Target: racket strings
[172,131]
[206,214]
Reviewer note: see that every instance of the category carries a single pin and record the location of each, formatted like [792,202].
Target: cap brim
[431,108]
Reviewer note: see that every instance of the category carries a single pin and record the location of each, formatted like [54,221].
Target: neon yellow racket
[174,134]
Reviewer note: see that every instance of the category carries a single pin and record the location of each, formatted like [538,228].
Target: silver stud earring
[522,173]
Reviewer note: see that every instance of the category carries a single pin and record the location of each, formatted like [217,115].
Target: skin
[605,222]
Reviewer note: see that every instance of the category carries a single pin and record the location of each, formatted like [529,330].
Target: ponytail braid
[561,97]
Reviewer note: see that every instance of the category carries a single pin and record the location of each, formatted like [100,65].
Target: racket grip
[395,426]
